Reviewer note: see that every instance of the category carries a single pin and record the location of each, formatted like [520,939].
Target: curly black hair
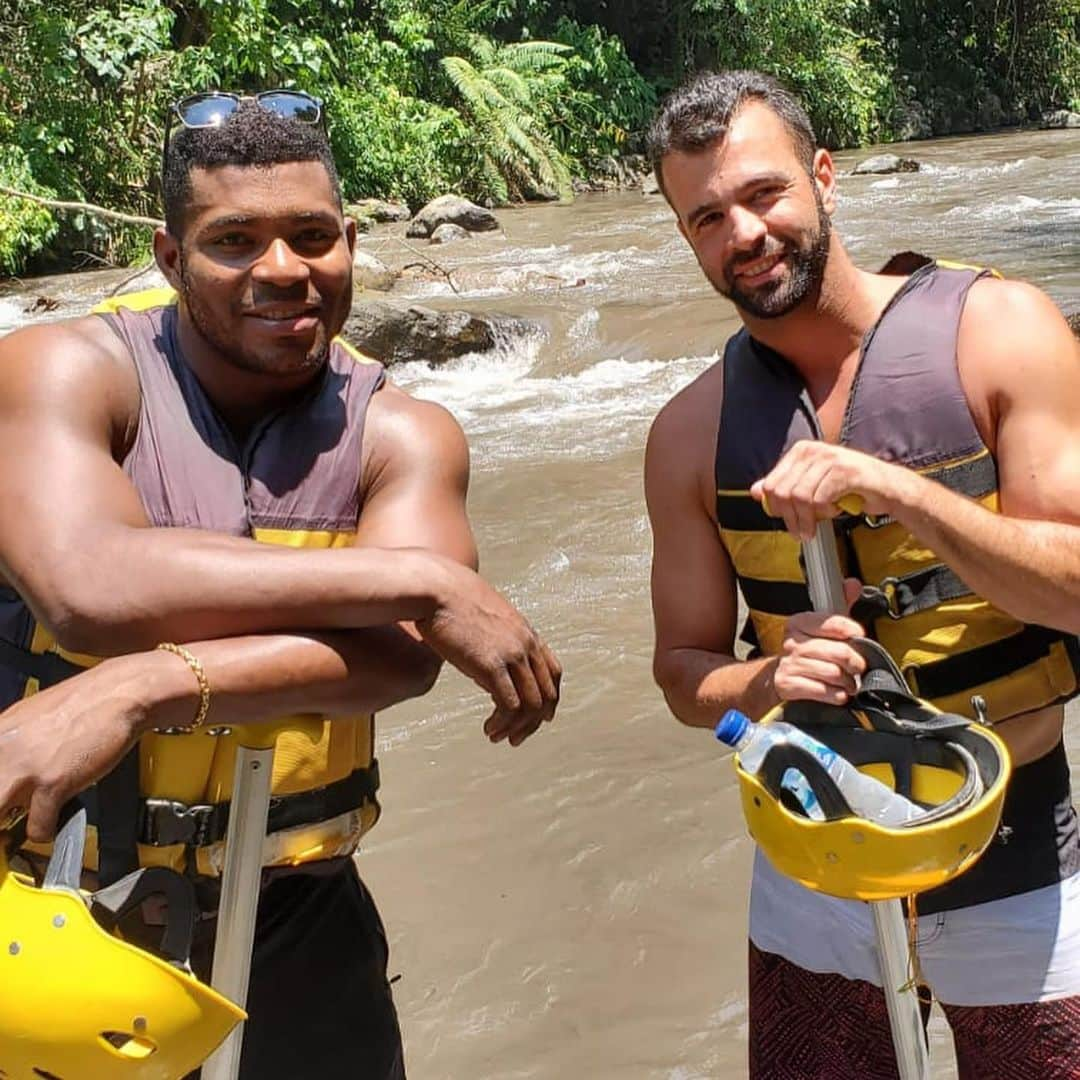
[250,136]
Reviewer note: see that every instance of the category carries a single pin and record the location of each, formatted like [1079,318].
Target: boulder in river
[447,233]
[454,210]
[650,185]
[880,164]
[372,273]
[1060,118]
[379,210]
[913,121]
[395,335]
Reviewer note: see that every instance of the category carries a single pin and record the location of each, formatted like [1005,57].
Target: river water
[576,907]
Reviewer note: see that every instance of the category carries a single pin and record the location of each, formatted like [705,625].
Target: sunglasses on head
[213,108]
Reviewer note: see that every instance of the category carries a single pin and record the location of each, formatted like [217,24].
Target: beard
[284,361]
[806,269]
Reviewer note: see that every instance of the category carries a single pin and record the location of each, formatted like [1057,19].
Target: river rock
[381,211]
[989,113]
[1060,118]
[885,163]
[614,173]
[650,185]
[372,273]
[454,210]
[913,121]
[447,233]
[397,335]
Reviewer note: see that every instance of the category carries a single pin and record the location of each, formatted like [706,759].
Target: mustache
[768,247]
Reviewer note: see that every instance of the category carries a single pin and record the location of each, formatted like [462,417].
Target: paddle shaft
[240,897]
[901,998]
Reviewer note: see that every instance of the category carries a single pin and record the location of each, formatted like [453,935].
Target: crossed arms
[278,630]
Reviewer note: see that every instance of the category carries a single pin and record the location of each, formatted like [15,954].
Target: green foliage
[608,103]
[390,145]
[25,227]
[493,99]
[979,63]
[508,93]
[810,45]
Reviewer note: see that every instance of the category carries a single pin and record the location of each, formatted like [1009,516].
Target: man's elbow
[413,674]
[671,680]
[82,620]
[425,675]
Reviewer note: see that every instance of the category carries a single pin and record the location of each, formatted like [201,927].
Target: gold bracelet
[195,664]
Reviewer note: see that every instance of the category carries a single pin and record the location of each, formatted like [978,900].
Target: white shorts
[1020,949]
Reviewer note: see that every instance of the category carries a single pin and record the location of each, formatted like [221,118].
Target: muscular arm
[1020,369]
[73,539]
[1018,357]
[693,583]
[416,477]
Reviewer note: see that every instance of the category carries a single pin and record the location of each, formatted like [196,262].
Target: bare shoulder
[697,403]
[682,440]
[404,434]
[997,305]
[78,362]
[1014,339]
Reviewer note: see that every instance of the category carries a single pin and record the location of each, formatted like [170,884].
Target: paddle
[241,876]
[901,997]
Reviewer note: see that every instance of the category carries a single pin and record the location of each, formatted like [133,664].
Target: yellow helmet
[955,768]
[77,1002]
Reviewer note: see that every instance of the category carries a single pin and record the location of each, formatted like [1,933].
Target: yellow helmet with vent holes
[79,1003]
[956,769]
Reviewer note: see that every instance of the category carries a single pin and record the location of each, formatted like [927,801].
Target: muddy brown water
[576,907]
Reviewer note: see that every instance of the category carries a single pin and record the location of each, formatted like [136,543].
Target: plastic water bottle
[867,797]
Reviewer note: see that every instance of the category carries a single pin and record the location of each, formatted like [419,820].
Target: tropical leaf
[508,93]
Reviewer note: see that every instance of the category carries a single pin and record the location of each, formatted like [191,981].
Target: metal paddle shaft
[909,1041]
[240,896]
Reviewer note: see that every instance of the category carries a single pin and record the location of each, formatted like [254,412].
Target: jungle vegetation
[498,100]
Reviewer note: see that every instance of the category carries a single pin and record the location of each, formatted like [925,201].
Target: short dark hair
[250,136]
[698,113]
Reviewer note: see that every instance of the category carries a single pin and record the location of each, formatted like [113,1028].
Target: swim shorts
[319,1002]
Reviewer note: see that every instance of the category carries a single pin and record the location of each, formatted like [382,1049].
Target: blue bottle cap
[732,726]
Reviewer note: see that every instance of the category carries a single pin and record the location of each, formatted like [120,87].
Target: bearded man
[946,399]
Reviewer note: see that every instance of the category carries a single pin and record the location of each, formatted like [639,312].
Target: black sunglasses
[213,108]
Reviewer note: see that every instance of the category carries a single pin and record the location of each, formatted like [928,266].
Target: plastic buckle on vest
[876,521]
[908,671]
[167,822]
[878,601]
[890,591]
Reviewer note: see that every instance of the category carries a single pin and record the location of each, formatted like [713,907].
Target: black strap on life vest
[115,797]
[964,671]
[48,668]
[163,822]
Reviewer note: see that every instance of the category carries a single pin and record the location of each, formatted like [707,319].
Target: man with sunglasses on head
[240,510]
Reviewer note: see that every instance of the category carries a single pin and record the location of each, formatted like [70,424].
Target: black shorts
[319,1003]
[1036,844]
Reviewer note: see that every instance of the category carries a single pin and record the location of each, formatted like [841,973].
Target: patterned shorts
[810,1026]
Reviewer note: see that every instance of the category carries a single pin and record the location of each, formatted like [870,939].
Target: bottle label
[795,782]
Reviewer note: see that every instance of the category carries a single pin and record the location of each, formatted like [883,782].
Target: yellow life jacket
[906,405]
[300,474]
